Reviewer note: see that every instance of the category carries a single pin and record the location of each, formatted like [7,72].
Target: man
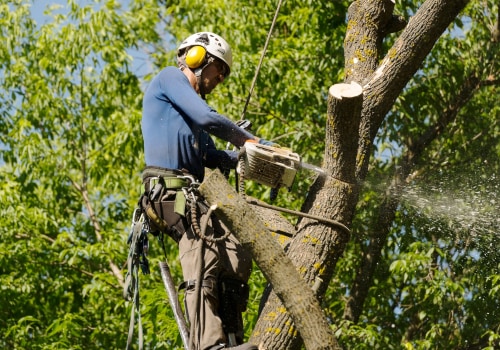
[176,124]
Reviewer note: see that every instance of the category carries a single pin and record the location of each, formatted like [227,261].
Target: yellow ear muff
[195,56]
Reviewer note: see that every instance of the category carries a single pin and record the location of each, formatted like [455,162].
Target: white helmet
[213,44]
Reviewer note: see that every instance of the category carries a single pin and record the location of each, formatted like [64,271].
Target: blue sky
[38,7]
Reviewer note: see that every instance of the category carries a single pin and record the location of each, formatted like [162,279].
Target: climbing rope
[241,177]
[136,258]
[261,59]
[200,231]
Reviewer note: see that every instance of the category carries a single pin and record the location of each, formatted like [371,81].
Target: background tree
[70,146]
[420,269]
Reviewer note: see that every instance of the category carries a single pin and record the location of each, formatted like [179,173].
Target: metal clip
[191,179]
[153,181]
[137,216]
[155,191]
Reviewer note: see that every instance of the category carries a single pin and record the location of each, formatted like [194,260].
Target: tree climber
[176,128]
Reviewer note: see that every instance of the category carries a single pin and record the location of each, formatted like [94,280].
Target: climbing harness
[151,218]
[159,213]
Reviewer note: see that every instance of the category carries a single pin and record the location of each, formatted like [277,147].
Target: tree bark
[279,227]
[297,297]
[316,247]
[366,21]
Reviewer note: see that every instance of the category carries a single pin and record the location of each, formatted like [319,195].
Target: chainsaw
[272,166]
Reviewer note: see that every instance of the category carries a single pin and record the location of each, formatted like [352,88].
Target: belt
[170,183]
[152,171]
[171,179]
[173,182]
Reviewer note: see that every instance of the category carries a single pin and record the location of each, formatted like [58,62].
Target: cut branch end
[340,91]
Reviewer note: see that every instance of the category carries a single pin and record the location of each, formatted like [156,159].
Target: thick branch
[408,52]
[399,66]
[297,297]
[344,114]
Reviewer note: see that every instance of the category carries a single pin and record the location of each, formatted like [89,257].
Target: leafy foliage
[72,112]
[71,156]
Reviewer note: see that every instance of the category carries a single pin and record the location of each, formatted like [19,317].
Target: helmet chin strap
[197,75]
[197,72]
[200,87]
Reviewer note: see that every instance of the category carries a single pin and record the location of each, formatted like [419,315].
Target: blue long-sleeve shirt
[176,123]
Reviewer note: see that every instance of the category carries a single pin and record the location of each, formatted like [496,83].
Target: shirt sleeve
[223,159]
[175,87]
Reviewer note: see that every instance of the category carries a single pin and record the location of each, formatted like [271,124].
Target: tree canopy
[421,267]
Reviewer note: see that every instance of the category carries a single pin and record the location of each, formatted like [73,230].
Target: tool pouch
[167,213]
[233,299]
[164,203]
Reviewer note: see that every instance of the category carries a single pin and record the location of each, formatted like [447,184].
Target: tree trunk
[316,247]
